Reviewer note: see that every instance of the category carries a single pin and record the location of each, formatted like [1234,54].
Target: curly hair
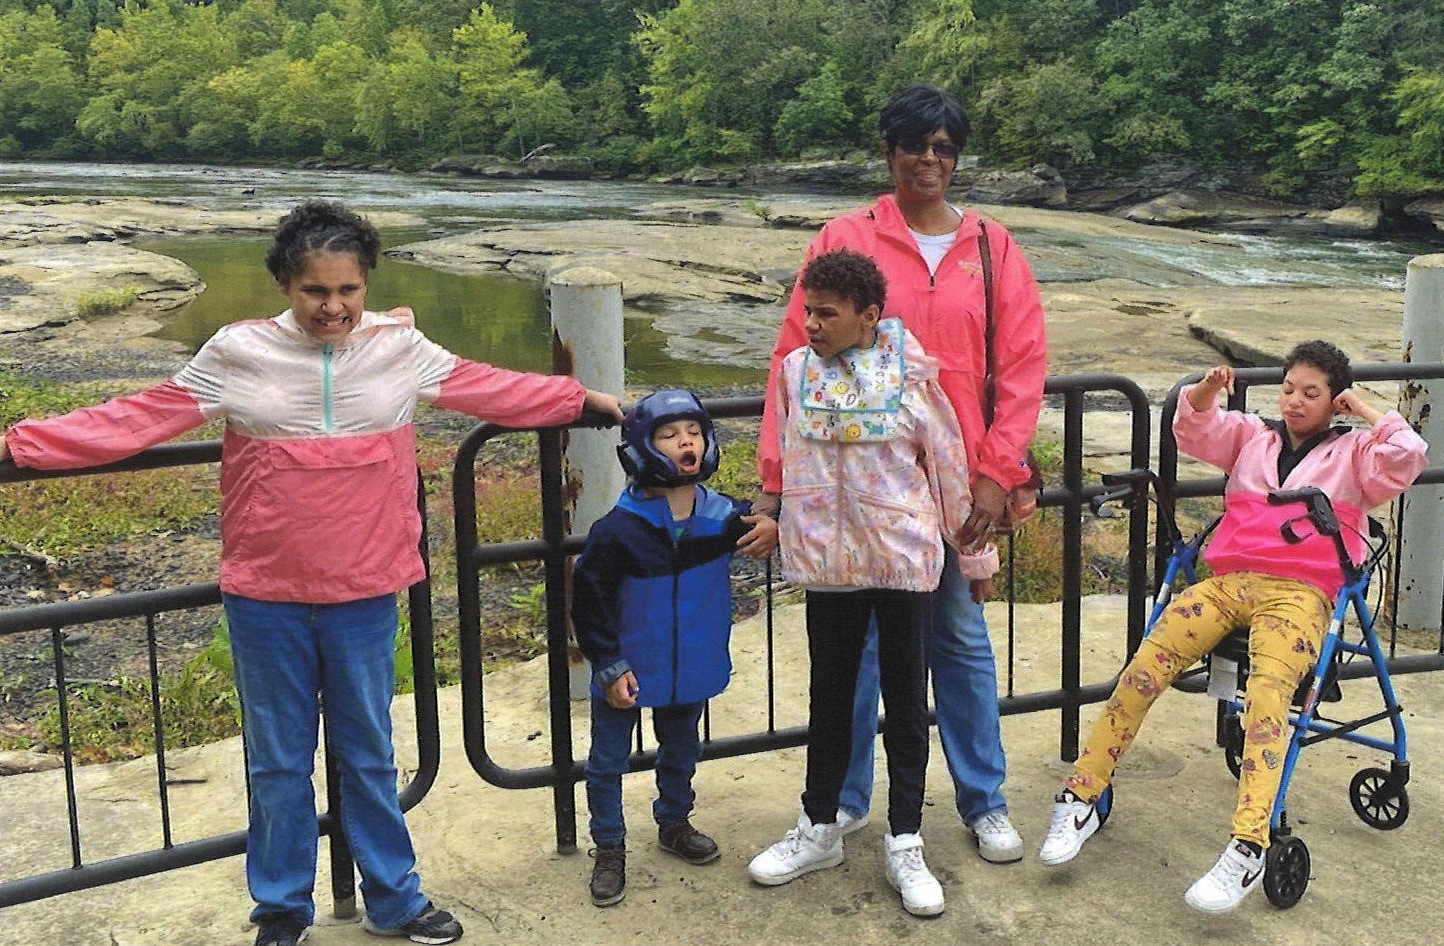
[918,111]
[850,274]
[1327,358]
[317,226]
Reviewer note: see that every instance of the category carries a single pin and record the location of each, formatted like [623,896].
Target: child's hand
[404,312]
[982,589]
[1203,394]
[622,694]
[1219,378]
[759,542]
[1351,405]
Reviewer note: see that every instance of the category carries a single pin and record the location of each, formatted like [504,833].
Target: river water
[501,319]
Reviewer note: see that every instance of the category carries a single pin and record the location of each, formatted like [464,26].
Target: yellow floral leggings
[1287,620]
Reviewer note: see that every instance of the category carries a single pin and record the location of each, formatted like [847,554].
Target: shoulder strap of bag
[985,256]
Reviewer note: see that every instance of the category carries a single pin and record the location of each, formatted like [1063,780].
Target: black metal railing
[1080,397]
[145,608]
[556,546]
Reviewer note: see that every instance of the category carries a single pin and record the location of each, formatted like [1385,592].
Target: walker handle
[1321,511]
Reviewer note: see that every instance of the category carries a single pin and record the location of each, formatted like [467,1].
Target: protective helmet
[642,461]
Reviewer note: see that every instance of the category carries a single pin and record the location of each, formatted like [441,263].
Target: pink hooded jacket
[318,466]
[1358,470]
[946,313]
[872,514]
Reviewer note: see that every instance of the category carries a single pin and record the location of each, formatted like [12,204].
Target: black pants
[836,631]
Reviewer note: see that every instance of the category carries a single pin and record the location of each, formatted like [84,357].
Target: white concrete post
[586,311]
[1421,567]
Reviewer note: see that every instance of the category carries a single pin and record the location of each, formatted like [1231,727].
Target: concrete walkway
[487,854]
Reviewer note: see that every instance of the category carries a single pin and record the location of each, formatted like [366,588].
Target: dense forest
[1303,91]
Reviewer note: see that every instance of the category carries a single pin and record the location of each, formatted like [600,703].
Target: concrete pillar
[586,312]
[1421,572]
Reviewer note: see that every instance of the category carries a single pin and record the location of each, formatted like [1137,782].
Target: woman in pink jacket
[932,254]
[1281,591]
[319,530]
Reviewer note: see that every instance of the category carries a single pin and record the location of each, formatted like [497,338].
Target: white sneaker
[1074,822]
[922,895]
[803,849]
[847,824]
[998,840]
[1236,874]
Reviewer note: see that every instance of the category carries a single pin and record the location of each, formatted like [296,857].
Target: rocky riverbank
[1178,194]
[1128,301]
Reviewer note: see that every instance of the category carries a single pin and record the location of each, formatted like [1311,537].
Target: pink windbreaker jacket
[1358,470]
[946,313]
[872,514]
[318,466]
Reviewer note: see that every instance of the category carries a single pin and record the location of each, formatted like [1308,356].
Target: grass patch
[113,721]
[62,518]
[106,301]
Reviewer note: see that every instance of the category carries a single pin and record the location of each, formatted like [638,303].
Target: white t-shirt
[934,248]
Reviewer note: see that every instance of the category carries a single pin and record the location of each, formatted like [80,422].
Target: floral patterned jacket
[869,494]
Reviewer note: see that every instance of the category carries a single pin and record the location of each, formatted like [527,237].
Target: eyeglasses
[942,150]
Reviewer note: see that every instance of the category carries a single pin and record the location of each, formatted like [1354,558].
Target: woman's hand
[761,539]
[989,503]
[982,589]
[4,449]
[603,403]
[1347,403]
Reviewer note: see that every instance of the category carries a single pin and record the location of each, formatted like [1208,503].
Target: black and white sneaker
[432,927]
[1235,876]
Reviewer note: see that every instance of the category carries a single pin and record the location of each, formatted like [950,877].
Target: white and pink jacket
[1358,470]
[873,513]
[318,466]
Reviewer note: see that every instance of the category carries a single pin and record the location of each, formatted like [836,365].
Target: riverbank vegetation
[1340,96]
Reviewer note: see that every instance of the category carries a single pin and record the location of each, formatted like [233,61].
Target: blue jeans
[289,658]
[965,696]
[678,749]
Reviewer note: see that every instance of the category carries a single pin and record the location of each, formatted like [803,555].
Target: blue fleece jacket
[658,605]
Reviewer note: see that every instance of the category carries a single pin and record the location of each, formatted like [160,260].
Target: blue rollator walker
[1379,797]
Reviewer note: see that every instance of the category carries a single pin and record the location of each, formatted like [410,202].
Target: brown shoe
[687,842]
[609,876]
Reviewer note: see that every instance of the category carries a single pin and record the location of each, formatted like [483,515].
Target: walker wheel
[1286,871]
[1104,806]
[1233,745]
[1377,803]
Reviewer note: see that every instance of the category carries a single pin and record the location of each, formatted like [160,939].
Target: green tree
[404,104]
[504,104]
[143,70]
[714,92]
[1052,113]
[818,115]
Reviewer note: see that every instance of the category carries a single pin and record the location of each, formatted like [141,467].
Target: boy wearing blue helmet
[652,608]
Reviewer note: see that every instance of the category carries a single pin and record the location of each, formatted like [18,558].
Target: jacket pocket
[319,508]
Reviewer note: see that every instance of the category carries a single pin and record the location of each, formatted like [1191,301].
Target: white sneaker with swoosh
[1074,822]
[1234,877]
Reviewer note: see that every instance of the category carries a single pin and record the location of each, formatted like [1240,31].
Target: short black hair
[317,226]
[1327,358]
[918,111]
[851,275]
